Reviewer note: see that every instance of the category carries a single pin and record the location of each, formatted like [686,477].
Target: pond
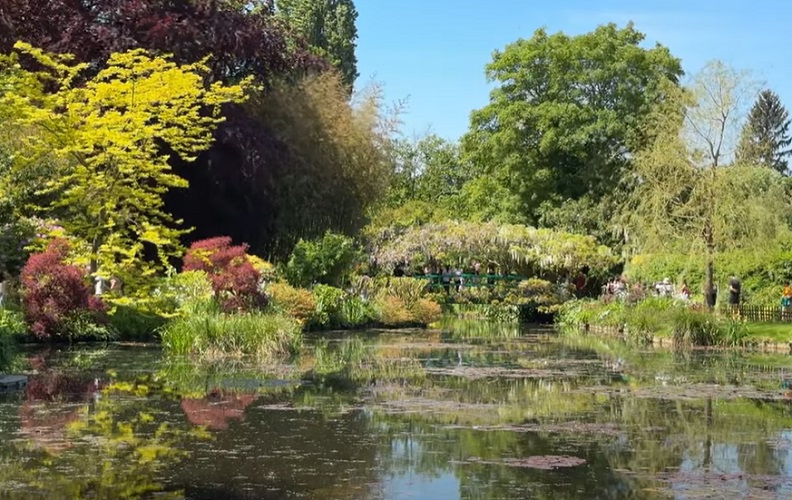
[473,411]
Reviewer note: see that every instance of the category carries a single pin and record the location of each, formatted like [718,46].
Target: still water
[477,412]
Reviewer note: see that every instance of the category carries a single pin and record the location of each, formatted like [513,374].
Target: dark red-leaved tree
[231,185]
[234,279]
[53,290]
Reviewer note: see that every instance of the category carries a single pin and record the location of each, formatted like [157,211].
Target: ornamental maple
[234,278]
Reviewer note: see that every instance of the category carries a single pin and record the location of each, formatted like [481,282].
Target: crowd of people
[620,288]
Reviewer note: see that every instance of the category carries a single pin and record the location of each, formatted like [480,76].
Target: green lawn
[773,332]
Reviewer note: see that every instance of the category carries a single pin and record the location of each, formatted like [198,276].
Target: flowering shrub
[53,293]
[234,279]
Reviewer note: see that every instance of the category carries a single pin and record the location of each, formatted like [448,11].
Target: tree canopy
[328,26]
[765,138]
[564,118]
[687,197]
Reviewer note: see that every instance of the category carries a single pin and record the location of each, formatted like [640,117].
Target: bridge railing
[440,281]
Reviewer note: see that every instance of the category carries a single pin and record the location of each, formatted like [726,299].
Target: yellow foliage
[392,311]
[104,138]
[296,302]
[426,311]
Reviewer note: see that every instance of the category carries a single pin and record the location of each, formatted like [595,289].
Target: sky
[431,54]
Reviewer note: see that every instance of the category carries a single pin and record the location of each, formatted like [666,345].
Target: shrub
[53,290]
[12,323]
[234,279]
[183,293]
[392,311]
[327,261]
[219,334]
[328,302]
[408,290]
[426,311]
[298,303]
[355,312]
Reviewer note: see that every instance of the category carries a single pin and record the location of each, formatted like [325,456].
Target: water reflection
[469,412]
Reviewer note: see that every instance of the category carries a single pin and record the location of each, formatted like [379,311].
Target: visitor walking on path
[734,295]
[786,301]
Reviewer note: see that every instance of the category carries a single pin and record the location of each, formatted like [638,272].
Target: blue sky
[433,52]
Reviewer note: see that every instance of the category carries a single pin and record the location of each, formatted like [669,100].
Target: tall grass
[211,335]
[685,324]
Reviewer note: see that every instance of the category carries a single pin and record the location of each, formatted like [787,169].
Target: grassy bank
[680,323]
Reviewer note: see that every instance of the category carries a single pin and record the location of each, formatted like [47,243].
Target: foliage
[12,324]
[513,247]
[563,119]
[52,291]
[328,302]
[545,296]
[685,199]
[765,138]
[762,270]
[131,323]
[295,302]
[392,311]
[639,322]
[429,170]
[356,312]
[216,335]
[329,28]
[425,311]
[327,261]
[232,183]
[337,155]
[15,234]
[234,279]
[106,138]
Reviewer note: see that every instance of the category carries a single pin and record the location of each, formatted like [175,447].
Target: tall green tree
[329,27]
[687,198]
[765,137]
[563,120]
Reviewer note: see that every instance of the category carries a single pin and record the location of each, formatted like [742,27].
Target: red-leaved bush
[234,279]
[53,291]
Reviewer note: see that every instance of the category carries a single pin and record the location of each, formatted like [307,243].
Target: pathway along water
[480,411]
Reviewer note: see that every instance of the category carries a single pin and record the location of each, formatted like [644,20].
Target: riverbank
[664,322]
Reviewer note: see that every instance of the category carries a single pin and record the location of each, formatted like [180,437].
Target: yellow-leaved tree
[107,139]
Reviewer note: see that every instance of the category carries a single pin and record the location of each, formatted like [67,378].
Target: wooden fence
[760,314]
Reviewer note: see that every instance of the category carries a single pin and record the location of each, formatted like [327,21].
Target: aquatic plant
[218,334]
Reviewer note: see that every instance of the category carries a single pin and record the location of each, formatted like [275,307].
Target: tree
[563,121]
[105,138]
[338,157]
[231,184]
[429,169]
[329,27]
[765,138]
[686,197]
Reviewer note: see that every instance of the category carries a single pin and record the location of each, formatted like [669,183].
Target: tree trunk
[709,289]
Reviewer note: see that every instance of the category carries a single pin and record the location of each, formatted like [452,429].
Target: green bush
[328,261]
[217,335]
[355,312]
[183,293]
[12,323]
[130,323]
[328,302]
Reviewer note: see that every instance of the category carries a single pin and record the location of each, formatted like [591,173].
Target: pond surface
[477,411]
